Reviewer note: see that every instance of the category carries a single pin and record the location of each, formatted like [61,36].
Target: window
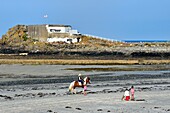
[55,30]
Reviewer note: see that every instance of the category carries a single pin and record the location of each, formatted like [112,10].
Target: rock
[99,110]
[78,108]
[68,107]
[49,111]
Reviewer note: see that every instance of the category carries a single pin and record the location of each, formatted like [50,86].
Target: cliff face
[15,35]
[16,40]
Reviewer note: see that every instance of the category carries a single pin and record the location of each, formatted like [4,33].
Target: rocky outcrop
[15,35]
[16,41]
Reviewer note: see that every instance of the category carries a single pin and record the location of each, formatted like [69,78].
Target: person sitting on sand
[80,79]
[126,95]
[132,91]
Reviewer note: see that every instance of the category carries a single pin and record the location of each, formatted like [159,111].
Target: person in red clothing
[126,95]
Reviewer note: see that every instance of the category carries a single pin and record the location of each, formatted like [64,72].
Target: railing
[102,38]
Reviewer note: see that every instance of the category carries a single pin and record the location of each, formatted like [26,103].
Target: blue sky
[113,19]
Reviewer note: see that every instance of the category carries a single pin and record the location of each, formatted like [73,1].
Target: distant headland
[145,41]
[62,42]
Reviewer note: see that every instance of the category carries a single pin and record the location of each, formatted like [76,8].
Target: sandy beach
[44,89]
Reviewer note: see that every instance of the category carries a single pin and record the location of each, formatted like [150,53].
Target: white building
[66,40]
[62,33]
[61,29]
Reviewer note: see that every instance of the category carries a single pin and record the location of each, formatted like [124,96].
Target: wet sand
[44,89]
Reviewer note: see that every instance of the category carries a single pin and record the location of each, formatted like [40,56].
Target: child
[84,90]
[126,95]
[132,91]
[80,79]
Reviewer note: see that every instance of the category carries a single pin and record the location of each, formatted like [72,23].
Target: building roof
[52,25]
[57,25]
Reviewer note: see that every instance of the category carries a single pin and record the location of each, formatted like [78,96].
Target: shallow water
[59,73]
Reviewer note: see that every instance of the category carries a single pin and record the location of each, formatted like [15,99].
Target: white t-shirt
[127,93]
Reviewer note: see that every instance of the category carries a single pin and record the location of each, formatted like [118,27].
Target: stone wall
[38,32]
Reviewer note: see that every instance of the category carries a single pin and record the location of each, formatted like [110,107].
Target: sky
[112,19]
